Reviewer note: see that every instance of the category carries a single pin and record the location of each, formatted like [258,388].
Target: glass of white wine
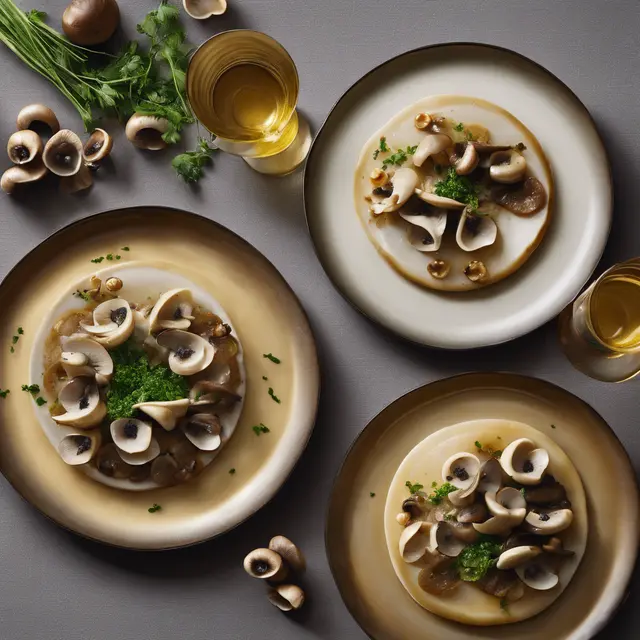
[243,87]
[600,330]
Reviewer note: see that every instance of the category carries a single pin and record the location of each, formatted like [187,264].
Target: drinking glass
[243,87]
[600,330]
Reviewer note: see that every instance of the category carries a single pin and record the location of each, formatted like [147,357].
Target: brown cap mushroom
[289,552]
[203,9]
[525,199]
[89,22]
[24,146]
[265,565]
[63,153]
[145,132]
[34,114]
[475,271]
[20,174]
[287,597]
[97,147]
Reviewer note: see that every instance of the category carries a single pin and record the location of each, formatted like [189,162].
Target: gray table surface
[56,586]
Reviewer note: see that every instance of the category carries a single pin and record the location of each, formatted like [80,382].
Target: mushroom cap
[89,22]
[476,512]
[203,430]
[79,448]
[164,470]
[113,323]
[537,575]
[439,575]
[462,470]
[524,462]
[490,476]
[166,414]
[33,113]
[190,353]
[523,199]
[443,540]
[23,146]
[413,543]
[131,435]
[434,223]
[203,9]
[265,565]
[289,552]
[145,132]
[212,393]
[98,146]
[438,201]
[475,231]
[517,556]
[21,174]
[141,457]
[430,145]
[98,358]
[547,523]
[507,167]
[404,182]
[62,154]
[286,597]
[172,310]
[468,161]
[81,400]
[508,509]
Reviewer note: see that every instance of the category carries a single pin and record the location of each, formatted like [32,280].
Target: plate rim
[501,375]
[315,365]
[352,87]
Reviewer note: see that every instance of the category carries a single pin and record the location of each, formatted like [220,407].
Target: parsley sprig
[260,429]
[459,188]
[190,164]
[399,157]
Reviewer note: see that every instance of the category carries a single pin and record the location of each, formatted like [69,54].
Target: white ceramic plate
[560,266]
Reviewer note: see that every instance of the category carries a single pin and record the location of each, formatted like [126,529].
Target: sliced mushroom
[166,413]
[525,463]
[430,229]
[517,556]
[165,470]
[145,132]
[507,167]
[190,353]
[438,269]
[463,531]
[112,323]
[555,547]
[287,597]
[141,457]
[97,147]
[520,539]
[548,523]
[537,576]
[203,430]
[548,492]
[77,182]
[173,310]
[490,476]
[468,161]
[443,540]
[110,464]
[498,583]
[413,542]
[31,116]
[21,174]
[439,202]
[289,552]
[265,565]
[476,271]
[508,498]
[82,403]
[207,392]
[24,146]
[79,448]
[477,512]
[83,356]
[203,9]
[131,435]
[475,231]
[462,470]
[404,182]
[524,199]
[439,577]
[430,145]
[508,509]
[62,154]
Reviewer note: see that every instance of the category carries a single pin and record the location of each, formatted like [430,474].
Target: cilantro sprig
[399,157]
[190,164]
[259,429]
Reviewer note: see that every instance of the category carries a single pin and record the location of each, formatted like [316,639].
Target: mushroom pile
[456,183]
[162,441]
[62,154]
[496,523]
[276,564]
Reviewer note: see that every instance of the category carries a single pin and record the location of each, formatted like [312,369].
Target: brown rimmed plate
[268,319]
[355,538]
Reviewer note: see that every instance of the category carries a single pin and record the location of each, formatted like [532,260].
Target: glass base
[287,161]
[595,363]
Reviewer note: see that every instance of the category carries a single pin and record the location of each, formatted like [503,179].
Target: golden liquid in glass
[615,310]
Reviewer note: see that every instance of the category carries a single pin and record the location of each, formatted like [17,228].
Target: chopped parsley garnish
[265,378]
[118,257]
[83,295]
[232,471]
[553,426]
[469,135]
[260,428]
[459,188]
[413,488]
[382,148]
[449,517]
[274,397]
[475,560]
[523,492]
[459,127]
[135,380]
[12,349]
[271,357]
[372,494]
[31,388]
[478,445]
[154,508]
[97,260]
[15,339]
[493,453]
[434,484]
[504,605]
[3,394]
[125,249]
[40,401]
[109,256]
[441,493]
[399,157]
[20,331]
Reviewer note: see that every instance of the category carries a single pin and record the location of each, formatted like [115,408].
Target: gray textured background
[55,586]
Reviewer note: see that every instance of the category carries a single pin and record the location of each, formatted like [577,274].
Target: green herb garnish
[12,349]
[31,388]
[125,249]
[232,471]
[382,148]
[109,256]
[83,295]
[4,393]
[97,260]
[441,493]
[271,357]
[274,397]
[135,380]
[190,164]
[118,257]
[15,339]
[399,157]
[154,508]
[478,445]
[504,605]
[265,378]
[459,127]
[372,494]
[413,488]
[522,491]
[260,428]
[553,426]
[20,331]
[459,188]
[40,401]
[475,560]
